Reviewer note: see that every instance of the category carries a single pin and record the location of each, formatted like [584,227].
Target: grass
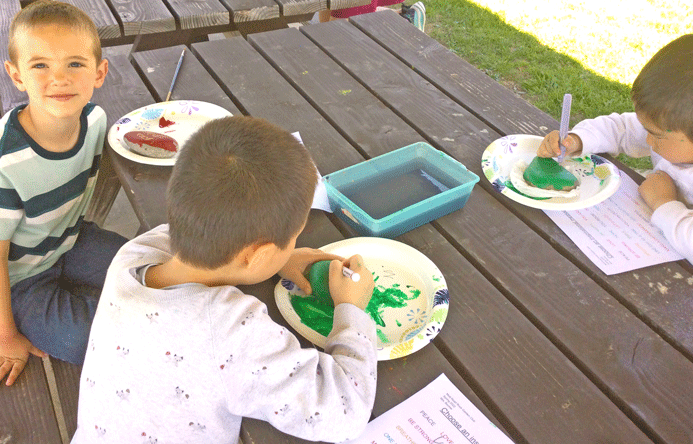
[592,49]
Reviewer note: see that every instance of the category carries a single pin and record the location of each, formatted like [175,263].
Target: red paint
[163,123]
[152,139]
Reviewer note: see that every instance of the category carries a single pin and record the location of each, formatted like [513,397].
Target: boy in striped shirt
[52,262]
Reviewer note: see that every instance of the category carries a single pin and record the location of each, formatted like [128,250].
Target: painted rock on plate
[151,144]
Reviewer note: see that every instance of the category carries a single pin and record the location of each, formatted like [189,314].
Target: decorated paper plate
[178,119]
[409,303]
[598,177]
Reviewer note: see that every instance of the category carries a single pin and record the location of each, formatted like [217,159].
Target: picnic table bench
[537,337]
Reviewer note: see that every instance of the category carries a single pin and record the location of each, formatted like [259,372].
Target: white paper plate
[599,178]
[182,118]
[396,267]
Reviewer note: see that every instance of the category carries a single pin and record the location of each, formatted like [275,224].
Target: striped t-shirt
[44,195]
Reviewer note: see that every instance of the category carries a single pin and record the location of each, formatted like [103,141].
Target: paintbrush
[565,120]
[175,76]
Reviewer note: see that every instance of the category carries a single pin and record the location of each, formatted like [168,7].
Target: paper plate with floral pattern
[178,119]
[598,177]
[409,304]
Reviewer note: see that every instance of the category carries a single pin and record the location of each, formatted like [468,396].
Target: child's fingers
[5,368]
[14,373]
[36,352]
[355,262]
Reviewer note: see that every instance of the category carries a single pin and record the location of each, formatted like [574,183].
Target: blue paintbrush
[175,75]
[565,120]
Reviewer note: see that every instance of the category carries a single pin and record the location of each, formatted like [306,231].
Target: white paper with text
[437,414]
[617,234]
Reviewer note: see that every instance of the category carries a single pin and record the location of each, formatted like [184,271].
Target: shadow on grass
[520,62]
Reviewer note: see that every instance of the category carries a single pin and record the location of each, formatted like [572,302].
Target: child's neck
[176,272]
[56,135]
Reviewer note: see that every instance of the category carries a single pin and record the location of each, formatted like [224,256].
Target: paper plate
[599,178]
[400,272]
[178,119]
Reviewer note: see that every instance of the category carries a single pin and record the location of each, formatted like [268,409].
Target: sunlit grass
[592,49]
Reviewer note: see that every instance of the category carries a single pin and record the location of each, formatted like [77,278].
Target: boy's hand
[298,263]
[14,354]
[344,290]
[658,189]
[549,146]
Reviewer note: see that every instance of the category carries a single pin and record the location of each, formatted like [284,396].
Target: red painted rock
[151,144]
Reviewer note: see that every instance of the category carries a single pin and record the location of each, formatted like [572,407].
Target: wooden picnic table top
[117,20]
[537,337]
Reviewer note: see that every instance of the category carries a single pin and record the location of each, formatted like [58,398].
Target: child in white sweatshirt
[661,127]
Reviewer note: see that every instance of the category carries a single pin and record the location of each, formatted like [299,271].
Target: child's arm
[303,392]
[670,215]
[613,134]
[14,347]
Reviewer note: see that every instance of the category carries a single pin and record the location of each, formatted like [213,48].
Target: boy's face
[674,146]
[57,68]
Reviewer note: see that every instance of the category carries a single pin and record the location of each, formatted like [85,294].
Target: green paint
[391,297]
[317,311]
[399,324]
[383,339]
[546,173]
[510,185]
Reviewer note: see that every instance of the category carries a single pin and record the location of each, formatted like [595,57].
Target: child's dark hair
[663,91]
[49,12]
[238,181]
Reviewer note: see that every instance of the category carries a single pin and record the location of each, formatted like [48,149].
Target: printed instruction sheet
[438,414]
[617,234]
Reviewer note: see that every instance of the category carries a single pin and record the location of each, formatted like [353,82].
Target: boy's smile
[57,68]
[674,146]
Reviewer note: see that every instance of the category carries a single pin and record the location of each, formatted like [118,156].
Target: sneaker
[407,13]
[419,15]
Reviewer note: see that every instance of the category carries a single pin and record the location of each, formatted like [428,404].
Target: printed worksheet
[320,199]
[438,414]
[617,234]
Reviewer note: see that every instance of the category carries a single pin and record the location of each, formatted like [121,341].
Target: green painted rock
[546,173]
[318,276]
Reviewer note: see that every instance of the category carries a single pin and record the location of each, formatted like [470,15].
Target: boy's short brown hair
[50,12]
[238,181]
[663,91]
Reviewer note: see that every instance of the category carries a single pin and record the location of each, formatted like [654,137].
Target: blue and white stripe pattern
[44,194]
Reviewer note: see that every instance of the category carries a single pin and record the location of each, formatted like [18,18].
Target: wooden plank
[199,14]
[343,4]
[366,121]
[122,92]
[588,324]
[67,379]
[659,295]
[262,92]
[140,17]
[299,7]
[252,10]
[289,51]
[26,416]
[101,15]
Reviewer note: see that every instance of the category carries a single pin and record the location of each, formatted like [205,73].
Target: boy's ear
[255,255]
[101,71]
[13,72]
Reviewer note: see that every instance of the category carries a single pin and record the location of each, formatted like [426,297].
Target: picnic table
[537,337]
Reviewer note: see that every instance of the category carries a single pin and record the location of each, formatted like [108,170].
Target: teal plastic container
[399,191]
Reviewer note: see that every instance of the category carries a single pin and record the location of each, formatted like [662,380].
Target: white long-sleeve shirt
[184,364]
[623,133]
